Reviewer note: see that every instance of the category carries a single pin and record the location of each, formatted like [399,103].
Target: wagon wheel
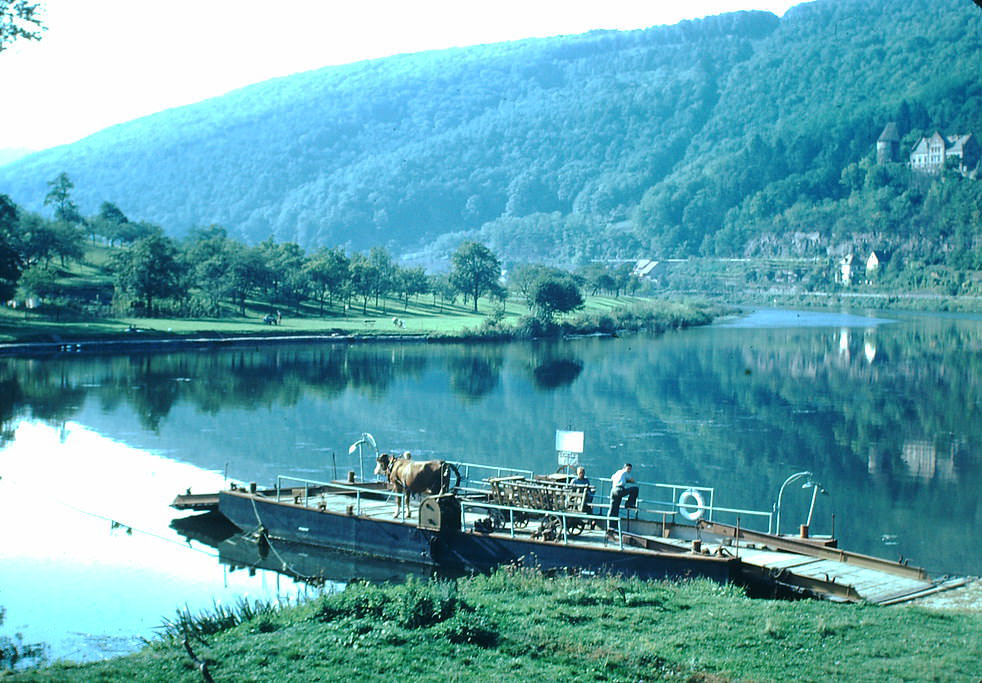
[551,527]
[574,527]
[497,519]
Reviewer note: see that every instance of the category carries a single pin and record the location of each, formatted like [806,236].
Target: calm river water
[884,409]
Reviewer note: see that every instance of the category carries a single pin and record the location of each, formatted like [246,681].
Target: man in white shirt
[619,488]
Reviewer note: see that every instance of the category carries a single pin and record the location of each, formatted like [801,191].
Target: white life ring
[693,510]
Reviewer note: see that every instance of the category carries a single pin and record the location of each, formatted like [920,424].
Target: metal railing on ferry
[512,517]
[689,501]
[654,499]
[358,490]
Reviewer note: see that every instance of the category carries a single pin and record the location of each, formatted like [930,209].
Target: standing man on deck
[619,488]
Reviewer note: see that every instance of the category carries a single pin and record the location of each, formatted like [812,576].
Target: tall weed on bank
[218,618]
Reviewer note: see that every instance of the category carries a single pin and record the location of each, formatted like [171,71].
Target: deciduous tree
[39,282]
[19,19]
[475,270]
[37,239]
[381,271]
[294,282]
[108,223]
[525,277]
[440,286]
[552,295]
[11,264]
[69,241]
[361,279]
[208,256]
[150,270]
[60,197]
[411,282]
[247,272]
[329,274]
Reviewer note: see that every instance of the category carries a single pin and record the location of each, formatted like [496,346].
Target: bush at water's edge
[652,318]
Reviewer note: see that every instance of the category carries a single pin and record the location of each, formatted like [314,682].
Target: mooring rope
[286,565]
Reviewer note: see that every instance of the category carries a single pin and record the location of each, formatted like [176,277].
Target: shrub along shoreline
[517,624]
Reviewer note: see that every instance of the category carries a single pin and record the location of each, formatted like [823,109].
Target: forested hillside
[734,135]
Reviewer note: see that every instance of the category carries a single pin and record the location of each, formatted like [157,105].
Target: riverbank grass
[389,318]
[519,625]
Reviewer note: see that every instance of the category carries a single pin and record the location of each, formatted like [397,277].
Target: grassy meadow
[517,625]
[418,318]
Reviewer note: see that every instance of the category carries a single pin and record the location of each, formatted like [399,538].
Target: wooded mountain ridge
[735,135]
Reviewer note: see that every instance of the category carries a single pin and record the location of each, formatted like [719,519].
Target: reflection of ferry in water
[304,562]
[497,516]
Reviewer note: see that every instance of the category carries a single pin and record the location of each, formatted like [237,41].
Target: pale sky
[102,62]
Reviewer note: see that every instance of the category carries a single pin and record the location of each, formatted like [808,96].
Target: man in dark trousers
[619,488]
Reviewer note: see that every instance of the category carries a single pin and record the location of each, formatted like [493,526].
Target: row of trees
[208,272]
[31,243]
[209,268]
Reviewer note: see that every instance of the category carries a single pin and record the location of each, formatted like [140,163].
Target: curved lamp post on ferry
[809,483]
[366,438]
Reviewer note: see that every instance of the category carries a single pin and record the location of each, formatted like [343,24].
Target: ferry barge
[498,516]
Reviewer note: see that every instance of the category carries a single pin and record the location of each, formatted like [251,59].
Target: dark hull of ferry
[389,539]
[458,552]
[482,552]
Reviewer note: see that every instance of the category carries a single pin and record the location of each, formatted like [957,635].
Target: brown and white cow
[409,477]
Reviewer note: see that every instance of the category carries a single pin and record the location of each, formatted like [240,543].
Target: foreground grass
[418,318]
[519,625]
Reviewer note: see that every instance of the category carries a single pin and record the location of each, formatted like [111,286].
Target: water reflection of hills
[888,416]
[271,378]
[818,382]
[152,384]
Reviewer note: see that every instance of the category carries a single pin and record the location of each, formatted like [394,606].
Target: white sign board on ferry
[569,445]
[569,441]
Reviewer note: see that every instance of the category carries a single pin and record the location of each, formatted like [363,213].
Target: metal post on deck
[816,489]
[366,438]
[780,495]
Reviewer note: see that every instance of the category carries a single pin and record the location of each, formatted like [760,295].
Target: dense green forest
[736,135]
